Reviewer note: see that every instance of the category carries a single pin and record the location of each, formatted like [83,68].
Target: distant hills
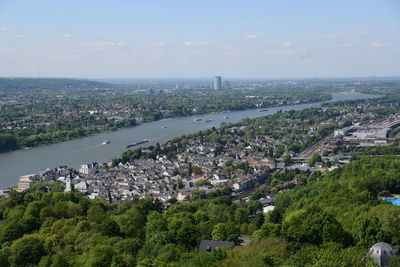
[49,84]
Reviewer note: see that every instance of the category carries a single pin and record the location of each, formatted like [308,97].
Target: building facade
[217,83]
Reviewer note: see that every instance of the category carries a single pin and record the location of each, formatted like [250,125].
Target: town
[233,156]
[34,112]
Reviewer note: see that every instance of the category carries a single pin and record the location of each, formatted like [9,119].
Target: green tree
[5,254]
[314,159]
[100,256]
[287,159]
[11,231]
[96,214]
[183,230]
[313,226]
[7,142]
[203,182]
[27,251]
[226,232]
[109,227]
[368,230]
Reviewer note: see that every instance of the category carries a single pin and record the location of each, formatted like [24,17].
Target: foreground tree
[226,232]
[27,251]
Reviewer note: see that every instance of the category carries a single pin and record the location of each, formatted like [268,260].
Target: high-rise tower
[217,83]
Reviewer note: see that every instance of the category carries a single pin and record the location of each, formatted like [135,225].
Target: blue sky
[236,38]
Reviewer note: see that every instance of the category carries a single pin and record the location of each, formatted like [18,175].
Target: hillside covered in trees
[21,84]
[331,221]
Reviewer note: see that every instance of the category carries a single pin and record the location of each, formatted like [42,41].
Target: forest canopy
[331,221]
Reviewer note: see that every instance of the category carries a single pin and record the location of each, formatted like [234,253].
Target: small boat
[198,119]
[106,142]
[138,143]
[164,126]
[226,117]
[263,110]
[209,120]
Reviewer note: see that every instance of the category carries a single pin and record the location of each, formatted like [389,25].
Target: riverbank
[69,135]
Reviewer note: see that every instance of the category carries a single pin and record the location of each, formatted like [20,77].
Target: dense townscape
[237,156]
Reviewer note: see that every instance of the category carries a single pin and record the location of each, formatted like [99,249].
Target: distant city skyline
[252,39]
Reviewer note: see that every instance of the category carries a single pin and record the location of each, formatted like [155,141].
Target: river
[90,149]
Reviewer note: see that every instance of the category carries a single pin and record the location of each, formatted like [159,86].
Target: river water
[90,149]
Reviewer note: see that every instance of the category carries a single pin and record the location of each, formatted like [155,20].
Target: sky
[193,38]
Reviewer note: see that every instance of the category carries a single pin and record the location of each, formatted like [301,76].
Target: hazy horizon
[211,78]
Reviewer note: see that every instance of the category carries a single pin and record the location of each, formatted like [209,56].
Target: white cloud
[231,53]
[147,36]
[105,44]
[271,52]
[4,50]
[20,36]
[280,52]
[347,44]
[287,44]
[197,44]
[288,52]
[157,44]
[66,36]
[46,44]
[160,53]
[380,45]
[306,56]
[3,29]
[235,51]
[250,37]
[331,37]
